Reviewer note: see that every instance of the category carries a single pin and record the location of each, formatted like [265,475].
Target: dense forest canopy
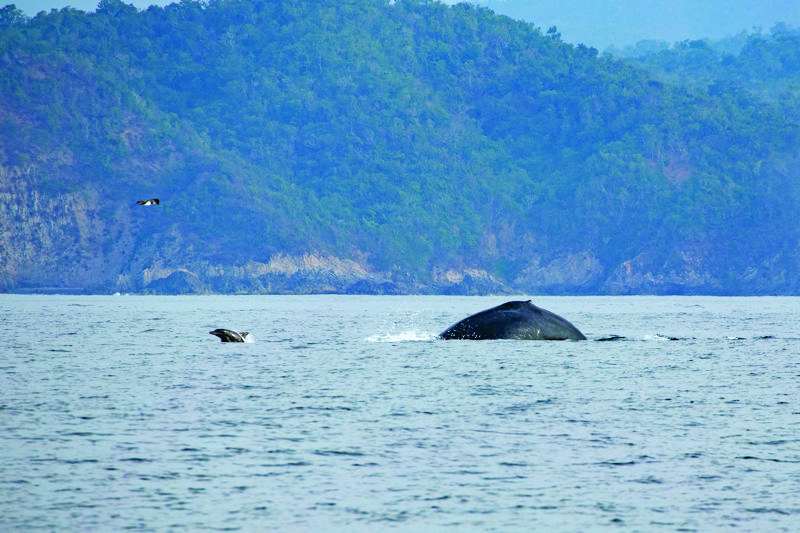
[765,64]
[409,138]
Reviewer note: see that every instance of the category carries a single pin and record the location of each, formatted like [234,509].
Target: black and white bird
[152,201]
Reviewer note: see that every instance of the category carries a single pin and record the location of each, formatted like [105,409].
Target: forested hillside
[376,146]
[765,64]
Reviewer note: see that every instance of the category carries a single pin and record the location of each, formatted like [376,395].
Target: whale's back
[514,320]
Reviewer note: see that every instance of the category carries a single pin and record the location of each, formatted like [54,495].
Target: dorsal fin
[516,304]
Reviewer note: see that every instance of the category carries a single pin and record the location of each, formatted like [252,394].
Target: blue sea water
[346,413]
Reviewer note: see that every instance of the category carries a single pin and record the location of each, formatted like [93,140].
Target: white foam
[659,337]
[402,336]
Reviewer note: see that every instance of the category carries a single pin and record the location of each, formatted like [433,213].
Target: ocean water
[346,413]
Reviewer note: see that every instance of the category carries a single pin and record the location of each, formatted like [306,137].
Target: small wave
[402,336]
[618,463]
[611,338]
[649,480]
[774,510]
[767,459]
[656,337]
[660,337]
[349,453]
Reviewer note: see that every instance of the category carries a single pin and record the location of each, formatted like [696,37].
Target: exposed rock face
[57,240]
[285,274]
[568,273]
[468,282]
[179,282]
[687,272]
[76,242]
[312,273]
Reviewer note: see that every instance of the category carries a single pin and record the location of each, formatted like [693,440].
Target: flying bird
[152,201]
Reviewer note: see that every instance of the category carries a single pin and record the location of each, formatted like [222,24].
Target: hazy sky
[31,7]
[598,23]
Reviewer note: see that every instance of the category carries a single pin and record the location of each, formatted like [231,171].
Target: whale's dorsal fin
[516,304]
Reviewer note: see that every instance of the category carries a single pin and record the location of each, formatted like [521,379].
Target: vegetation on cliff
[407,139]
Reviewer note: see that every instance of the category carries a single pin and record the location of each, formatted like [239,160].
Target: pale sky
[597,23]
[31,7]
[601,23]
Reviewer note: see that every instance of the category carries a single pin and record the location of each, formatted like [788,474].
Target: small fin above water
[611,338]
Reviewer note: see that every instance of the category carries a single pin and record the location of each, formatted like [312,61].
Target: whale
[514,320]
[227,335]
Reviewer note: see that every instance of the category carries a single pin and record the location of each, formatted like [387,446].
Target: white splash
[402,336]
[660,337]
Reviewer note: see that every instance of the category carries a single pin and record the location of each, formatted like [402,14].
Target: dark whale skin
[514,320]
